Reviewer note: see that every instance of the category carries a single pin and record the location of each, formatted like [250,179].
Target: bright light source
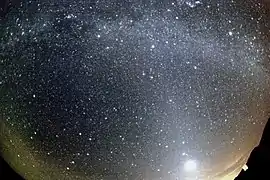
[245,167]
[190,166]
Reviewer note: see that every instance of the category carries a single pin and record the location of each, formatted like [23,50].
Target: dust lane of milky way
[114,89]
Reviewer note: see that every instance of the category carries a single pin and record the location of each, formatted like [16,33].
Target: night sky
[133,89]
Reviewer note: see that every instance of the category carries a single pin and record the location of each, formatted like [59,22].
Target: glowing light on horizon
[190,166]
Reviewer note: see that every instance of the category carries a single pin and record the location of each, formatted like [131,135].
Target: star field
[112,89]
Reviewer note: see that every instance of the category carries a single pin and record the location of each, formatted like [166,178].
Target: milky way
[114,89]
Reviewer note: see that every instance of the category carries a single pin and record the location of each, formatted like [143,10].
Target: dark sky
[115,89]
